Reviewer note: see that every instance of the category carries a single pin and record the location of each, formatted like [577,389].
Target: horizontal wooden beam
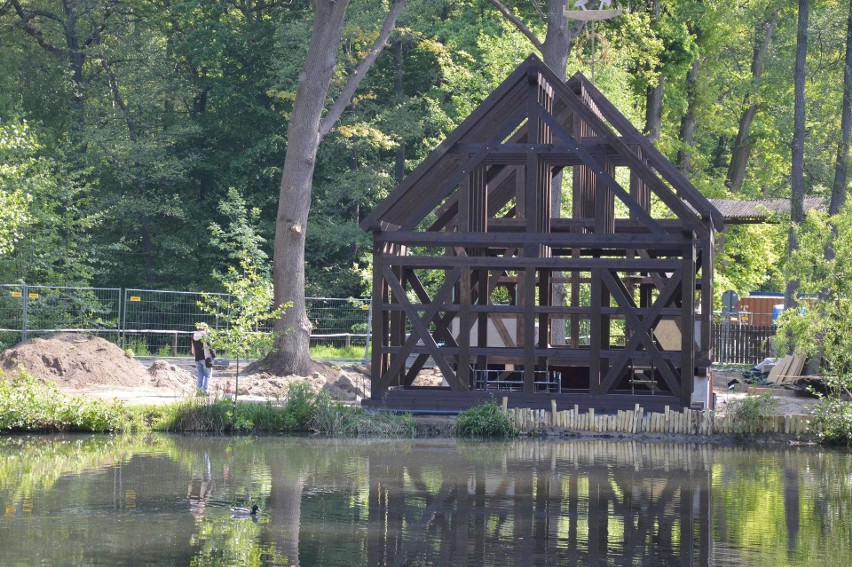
[513,239]
[555,355]
[564,264]
[540,309]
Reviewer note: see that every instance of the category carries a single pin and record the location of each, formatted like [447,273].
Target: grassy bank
[30,406]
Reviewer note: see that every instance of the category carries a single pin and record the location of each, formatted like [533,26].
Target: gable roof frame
[682,197]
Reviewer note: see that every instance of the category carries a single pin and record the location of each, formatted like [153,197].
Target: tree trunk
[304,134]
[797,181]
[654,110]
[399,163]
[744,142]
[654,93]
[139,180]
[841,162]
[294,201]
[687,122]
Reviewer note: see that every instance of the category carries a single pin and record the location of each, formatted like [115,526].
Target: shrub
[833,421]
[485,420]
[26,404]
[751,412]
[300,407]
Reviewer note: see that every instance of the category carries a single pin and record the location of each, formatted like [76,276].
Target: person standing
[204,356]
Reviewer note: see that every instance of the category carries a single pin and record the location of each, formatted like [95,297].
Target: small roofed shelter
[736,211]
[469,252]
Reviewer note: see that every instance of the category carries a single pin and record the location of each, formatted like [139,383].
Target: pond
[167,500]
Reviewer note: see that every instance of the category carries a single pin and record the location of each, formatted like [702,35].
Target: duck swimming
[246,512]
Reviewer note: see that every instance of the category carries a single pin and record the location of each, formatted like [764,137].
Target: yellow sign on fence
[17,294]
[135,298]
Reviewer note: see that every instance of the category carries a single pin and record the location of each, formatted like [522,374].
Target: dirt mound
[92,366]
[75,361]
[338,383]
[161,374]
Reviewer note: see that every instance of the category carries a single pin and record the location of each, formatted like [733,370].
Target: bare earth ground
[94,367]
[786,401]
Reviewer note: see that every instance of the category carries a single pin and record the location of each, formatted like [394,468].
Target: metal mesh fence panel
[27,310]
[340,323]
[161,323]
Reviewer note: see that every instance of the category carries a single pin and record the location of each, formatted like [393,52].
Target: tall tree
[70,31]
[654,94]
[687,121]
[797,172]
[744,142]
[559,40]
[841,161]
[309,123]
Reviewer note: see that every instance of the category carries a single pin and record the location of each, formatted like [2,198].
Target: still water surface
[166,500]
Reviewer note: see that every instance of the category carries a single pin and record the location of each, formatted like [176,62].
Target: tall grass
[336,419]
[330,352]
[302,412]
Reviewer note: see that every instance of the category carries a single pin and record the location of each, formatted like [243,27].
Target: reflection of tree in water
[440,502]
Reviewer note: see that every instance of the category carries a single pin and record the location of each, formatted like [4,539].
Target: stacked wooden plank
[787,370]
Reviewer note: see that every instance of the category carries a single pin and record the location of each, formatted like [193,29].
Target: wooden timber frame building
[469,252]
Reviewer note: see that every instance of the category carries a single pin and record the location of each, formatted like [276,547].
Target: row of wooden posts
[685,422]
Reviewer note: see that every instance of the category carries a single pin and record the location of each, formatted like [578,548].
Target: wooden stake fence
[686,422]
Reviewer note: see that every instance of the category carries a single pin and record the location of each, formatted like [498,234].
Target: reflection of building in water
[555,503]
[200,488]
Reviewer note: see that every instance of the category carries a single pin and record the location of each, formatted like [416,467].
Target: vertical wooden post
[379,332]
[687,331]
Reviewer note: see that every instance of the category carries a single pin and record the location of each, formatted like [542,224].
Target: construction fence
[160,323]
[156,322]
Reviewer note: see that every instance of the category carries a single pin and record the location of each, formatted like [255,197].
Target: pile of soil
[93,366]
[75,361]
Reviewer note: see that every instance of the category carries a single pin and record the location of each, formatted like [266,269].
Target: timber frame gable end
[545,250]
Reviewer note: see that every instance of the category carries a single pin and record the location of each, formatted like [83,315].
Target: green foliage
[750,260]
[335,419]
[300,407]
[177,102]
[823,325]
[485,420]
[239,241]
[302,412]
[16,167]
[136,347]
[26,404]
[248,307]
[752,412]
[832,421]
[195,414]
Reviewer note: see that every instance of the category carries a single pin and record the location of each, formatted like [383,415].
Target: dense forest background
[129,127]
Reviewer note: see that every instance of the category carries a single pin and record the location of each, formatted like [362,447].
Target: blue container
[777,309]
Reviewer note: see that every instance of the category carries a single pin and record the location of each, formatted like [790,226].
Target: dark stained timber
[467,254]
